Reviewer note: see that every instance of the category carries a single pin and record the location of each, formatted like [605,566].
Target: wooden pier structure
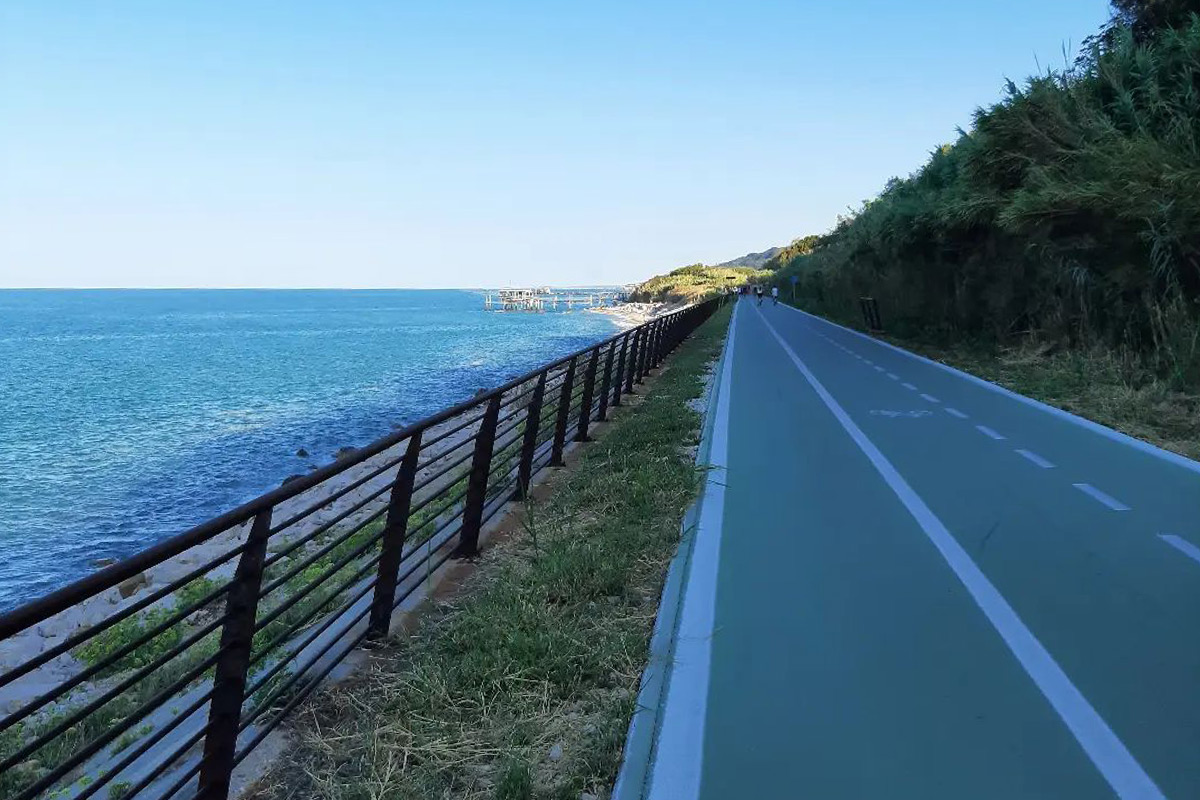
[544,298]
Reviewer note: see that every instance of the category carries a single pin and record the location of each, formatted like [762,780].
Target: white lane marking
[986,431]
[1107,752]
[1099,496]
[1035,458]
[1094,427]
[878,368]
[954,412]
[909,386]
[868,362]
[930,398]
[679,748]
[1182,545]
[893,376]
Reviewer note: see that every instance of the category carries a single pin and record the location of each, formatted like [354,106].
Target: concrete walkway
[908,583]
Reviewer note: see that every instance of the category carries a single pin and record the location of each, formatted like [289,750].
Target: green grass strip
[524,686]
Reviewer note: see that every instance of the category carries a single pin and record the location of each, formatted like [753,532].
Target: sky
[472,144]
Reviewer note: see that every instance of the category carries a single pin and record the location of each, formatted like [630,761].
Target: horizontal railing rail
[158,675]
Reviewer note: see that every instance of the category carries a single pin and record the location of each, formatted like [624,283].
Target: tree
[1145,17]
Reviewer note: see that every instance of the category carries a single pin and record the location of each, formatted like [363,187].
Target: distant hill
[694,282]
[752,260]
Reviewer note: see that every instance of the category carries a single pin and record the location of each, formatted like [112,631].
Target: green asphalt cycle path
[925,588]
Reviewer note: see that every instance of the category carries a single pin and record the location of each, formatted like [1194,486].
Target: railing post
[533,420]
[585,404]
[606,381]
[870,312]
[477,483]
[672,335]
[564,412]
[650,336]
[619,383]
[642,352]
[392,548]
[633,359]
[876,322]
[658,342]
[229,680]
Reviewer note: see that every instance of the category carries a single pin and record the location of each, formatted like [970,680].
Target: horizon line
[289,288]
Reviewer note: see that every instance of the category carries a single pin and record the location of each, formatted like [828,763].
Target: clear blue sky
[466,143]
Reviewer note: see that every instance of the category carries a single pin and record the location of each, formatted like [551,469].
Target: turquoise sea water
[127,416]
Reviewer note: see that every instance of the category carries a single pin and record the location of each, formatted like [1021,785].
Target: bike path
[1044,646]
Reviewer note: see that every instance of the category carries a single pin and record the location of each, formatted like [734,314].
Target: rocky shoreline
[630,315]
[52,632]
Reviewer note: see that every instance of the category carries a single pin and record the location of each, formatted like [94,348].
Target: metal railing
[870,312]
[158,675]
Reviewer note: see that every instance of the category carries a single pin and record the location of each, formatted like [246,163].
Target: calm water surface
[127,416]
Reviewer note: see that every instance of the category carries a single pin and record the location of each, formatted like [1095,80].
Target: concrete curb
[644,726]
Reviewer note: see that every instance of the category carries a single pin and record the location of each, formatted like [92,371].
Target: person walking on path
[775,295]
[758,292]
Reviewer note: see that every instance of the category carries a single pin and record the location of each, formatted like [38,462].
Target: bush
[1071,210]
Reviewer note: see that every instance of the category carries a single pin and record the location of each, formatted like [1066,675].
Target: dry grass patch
[1100,385]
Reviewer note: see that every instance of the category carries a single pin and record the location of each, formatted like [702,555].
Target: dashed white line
[1182,545]
[893,376]
[878,368]
[930,398]
[1118,766]
[1101,497]
[909,386]
[954,412]
[1035,458]
[986,431]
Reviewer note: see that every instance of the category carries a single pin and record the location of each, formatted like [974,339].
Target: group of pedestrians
[759,292]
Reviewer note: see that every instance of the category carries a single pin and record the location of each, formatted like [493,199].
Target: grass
[1098,384]
[1113,387]
[523,688]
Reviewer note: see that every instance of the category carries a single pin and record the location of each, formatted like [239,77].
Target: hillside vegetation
[1069,214]
[694,282]
[754,260]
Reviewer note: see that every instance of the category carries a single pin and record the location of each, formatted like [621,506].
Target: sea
[127,416]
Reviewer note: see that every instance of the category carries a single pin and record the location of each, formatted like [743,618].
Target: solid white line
[986,431]
[909,386]
[930,398]
[1035,458]
[1182,545]
[1107,752]
[1096,494]
[954,412]
[1095,427]
[679,747]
